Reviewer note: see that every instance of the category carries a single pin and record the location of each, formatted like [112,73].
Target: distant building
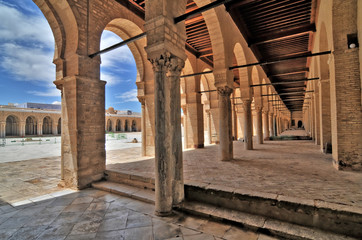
[38,119]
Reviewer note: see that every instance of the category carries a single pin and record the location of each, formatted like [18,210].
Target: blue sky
[26,54]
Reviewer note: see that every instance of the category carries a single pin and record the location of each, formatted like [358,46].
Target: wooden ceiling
[198,40]
[273,29]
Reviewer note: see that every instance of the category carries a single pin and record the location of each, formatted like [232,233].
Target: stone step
[260,224]
[313,214]
[130,179]
[145,195]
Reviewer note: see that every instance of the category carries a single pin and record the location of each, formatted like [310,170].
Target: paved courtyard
[33,207]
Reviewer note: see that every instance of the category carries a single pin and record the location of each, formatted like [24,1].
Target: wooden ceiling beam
[284,34]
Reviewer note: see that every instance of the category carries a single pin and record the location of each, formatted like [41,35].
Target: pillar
[248,125]
[168,146]
[266,124]
[240,120]
[2,129]
[40,128]
[225,124]
[194,121]
[325,113]
[259,125]
[143,125]
[270,118]
[55,128]
[83,134]
[345,83]
[22,128]
[316,115]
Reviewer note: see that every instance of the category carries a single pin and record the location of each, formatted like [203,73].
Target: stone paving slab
[294,169]
[95,214]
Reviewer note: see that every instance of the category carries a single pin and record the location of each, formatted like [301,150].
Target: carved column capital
[142,100]
[225,91]
[169,63]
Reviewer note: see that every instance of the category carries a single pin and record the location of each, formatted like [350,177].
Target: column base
[163,214]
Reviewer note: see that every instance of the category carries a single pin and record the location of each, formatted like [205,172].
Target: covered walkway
[295,169]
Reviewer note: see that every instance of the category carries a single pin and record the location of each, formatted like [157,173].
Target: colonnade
[161,60]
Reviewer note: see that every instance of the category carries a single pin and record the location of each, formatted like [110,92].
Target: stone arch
[241,60]
[323,59]
[109,125]
[134,126]
[118,125]
[126,29]
[216,33]
[47,125]
[59,130]
[31,126]
[62,21]
[12,126]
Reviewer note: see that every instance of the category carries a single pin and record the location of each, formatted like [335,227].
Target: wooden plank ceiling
[198,40]
[275,29]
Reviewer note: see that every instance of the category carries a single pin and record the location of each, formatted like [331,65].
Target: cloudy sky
[26,53]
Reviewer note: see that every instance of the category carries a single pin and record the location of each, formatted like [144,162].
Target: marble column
[248,125]
[143,125]
[169,189]
[266,124]
[225,124]
[259,125]
[271,131]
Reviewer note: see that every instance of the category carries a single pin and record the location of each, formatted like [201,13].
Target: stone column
[325,113]
[266,124]
[83,133]
[225,124]
[40,128]
[346,97]
[55,128]
[275,130]
[22,128]
[248,125]
[259,125]
[169,187]
[240,119]
[2,129]
[316,116]
[208,116]
[194,121]
[271,132]
[143,125]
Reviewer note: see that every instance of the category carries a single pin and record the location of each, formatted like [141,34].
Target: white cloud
[116,57]
[110,78]
[27,64]
[16,25]
[56,102]
[130,96]
[49,92]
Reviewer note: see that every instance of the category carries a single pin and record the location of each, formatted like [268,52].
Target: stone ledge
[258,223]
[144,195]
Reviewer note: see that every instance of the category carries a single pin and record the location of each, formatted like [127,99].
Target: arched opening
[134,126]
[59,126]
[119,126]
[300,124]
[109,125]
[47,125]
[12,126]
[30,126]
